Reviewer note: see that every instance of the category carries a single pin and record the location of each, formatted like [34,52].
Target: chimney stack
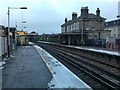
[74,15]
[65,20]
[98,12]
[84,11]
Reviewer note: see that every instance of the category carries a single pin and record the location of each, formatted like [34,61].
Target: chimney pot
[65,20]
[74,15]
[98,12]
[84,11]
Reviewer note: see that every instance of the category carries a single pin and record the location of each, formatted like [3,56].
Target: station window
[74,26]
[77,25]
[87,28]
[118,22]
[114,22]
[67,29]
[63,29]
[106,24]
[71,27]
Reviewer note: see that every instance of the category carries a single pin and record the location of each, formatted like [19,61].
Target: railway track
[99,61]
[112,70]
[96,76]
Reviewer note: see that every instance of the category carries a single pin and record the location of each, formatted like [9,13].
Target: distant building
[114,26]
[113,41]
[32,37]
[87,29]
[50,38]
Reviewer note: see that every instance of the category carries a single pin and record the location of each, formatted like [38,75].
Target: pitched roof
[82,17]
[91,16]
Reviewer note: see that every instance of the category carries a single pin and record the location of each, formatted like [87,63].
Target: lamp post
[8,41]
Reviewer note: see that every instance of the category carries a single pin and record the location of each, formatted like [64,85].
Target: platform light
[8,41]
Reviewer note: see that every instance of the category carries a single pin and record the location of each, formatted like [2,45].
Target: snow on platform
[117,53]
[30,43]
[1,64]
[62,76]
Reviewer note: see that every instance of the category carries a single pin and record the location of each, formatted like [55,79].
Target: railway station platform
[32,67]
[25,69]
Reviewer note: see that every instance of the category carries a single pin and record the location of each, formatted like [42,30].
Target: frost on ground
[100,50]
[1,64]
[62,76]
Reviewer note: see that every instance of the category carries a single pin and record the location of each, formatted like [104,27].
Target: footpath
[25,69]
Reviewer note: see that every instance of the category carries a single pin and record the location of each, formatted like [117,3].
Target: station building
[86,29]
[114,26]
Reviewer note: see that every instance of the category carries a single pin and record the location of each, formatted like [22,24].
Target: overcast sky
[46,16]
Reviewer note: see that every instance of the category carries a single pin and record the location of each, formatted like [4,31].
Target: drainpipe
[68,39]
